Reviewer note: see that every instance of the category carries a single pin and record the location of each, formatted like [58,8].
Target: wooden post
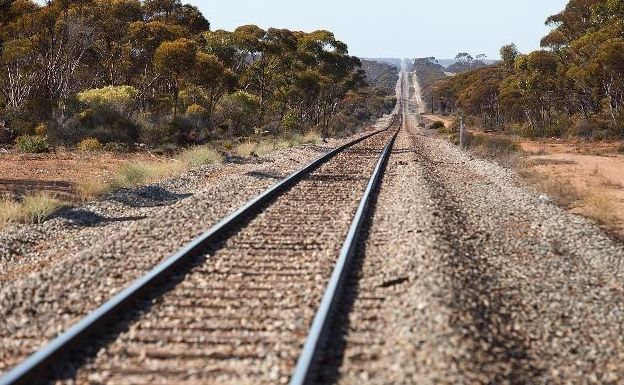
[462,134]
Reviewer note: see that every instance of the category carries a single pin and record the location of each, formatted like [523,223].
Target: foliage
[32,144]
[120,70]
[578,76]
[89,144]
[118,98]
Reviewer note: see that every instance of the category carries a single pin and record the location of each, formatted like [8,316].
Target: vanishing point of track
[235,305]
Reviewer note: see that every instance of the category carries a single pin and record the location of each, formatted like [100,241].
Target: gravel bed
[469,278]
[240,316]
[56,272]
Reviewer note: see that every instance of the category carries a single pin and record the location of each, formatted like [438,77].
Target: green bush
[621,149]
[119,98]
[32,143]
[437,125]
[290,121]
[89,144]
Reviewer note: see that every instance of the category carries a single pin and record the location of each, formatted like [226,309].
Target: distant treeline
[153,71]
[574,85]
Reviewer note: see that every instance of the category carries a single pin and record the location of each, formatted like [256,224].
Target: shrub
[32,143]
[38,207]
[452,128]
[290,121]
[31,209]
[200,155]
[240,112]
[89,144]
[118,98]
[437,125]
[195,111]
[41,129]
[116,147]
[621,149]
[582,127]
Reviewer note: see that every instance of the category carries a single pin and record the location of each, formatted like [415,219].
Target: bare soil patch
[594,184]
[586,177]
[58,173]
[447,120]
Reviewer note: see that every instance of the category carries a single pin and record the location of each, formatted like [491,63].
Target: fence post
[462,134]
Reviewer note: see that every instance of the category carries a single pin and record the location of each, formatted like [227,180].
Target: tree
[464,58]
[213,80]
[509,53]
[173,59]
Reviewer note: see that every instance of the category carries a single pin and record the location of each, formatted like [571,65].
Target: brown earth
[588,177]
[59,172]
[597,181]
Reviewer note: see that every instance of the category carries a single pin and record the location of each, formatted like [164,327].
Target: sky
[398,28]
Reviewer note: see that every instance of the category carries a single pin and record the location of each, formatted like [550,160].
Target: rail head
[37,365]
[304,369]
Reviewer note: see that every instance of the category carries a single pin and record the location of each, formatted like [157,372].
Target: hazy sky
[399,28]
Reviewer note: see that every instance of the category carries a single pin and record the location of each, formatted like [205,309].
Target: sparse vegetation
[30,209]
[562,191]
[503,150]
[200,155]
[599,205]
[89,144]
[437,125]
[34,144]
[132,174]
[261,147]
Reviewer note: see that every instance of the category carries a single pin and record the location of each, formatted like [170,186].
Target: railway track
[235,305]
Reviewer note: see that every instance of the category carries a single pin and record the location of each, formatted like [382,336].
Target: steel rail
[37,366]
[305,368]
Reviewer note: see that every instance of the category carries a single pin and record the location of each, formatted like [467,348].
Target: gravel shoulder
[56,272]
[467,277]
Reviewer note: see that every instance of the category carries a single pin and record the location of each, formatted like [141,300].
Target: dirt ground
[447,120]
[588,177]
[595,171]
[59,172]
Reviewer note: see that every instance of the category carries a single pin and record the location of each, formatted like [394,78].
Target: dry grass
[133,174]
[591,201]
[265,146]
[31,209]
[562,191]
[90,188]
[245,148]
[200,155]
[504,150]
[10,211]
[600,206]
